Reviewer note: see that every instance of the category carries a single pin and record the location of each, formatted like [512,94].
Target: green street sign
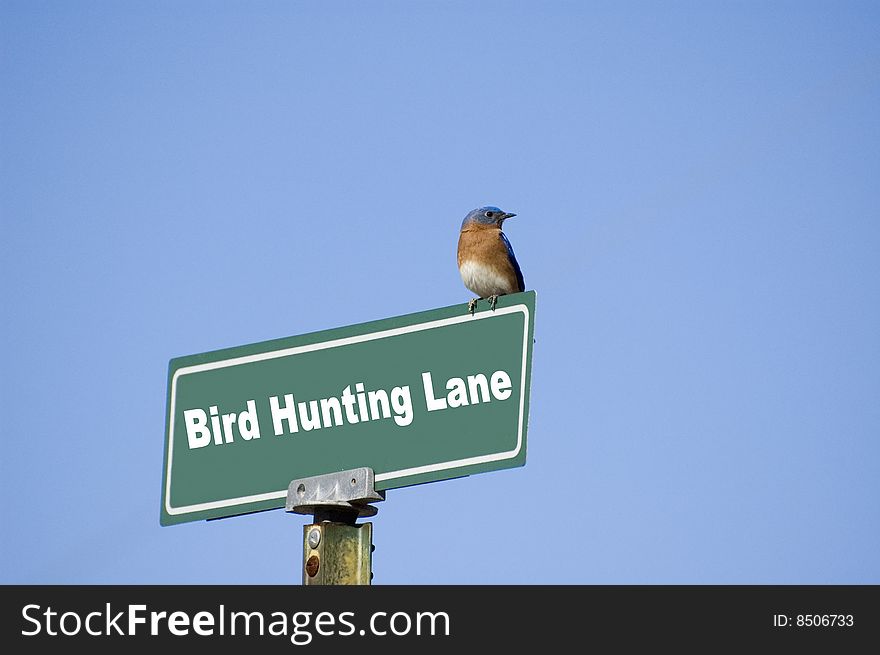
[418,398]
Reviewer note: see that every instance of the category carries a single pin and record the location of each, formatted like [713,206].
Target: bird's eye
[490,214]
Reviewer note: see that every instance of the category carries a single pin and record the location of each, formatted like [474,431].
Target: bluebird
[486,261]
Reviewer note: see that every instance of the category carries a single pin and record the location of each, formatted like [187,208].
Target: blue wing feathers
[514,263]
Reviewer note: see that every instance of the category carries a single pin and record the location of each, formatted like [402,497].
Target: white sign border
[286,352]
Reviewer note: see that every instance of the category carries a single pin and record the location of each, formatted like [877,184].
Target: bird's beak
[505,216]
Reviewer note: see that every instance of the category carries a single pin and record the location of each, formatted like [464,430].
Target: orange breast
[482,244]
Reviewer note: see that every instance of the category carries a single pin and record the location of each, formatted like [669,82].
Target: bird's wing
[512,258]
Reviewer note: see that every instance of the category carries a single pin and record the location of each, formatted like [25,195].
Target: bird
[486,261]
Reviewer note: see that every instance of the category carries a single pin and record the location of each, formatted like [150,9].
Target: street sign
[418,398]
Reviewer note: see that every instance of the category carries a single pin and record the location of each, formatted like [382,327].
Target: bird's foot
[493,300]
[472,306]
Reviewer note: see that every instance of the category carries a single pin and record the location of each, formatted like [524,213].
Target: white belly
[483,280]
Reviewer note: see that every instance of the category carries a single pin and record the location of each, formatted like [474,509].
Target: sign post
[418,398]
[336,549]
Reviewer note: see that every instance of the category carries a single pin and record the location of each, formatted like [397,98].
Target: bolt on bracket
[346,493]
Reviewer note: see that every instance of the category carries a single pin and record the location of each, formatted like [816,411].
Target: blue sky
[698,208]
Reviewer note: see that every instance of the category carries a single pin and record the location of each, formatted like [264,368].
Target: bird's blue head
[486,216]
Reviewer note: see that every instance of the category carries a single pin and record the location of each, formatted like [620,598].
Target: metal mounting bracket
[344,496]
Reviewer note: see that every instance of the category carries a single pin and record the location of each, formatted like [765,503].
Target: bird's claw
[472,305]
[493,300]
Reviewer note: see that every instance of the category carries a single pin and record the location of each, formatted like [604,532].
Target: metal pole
[336,549]
[337,553]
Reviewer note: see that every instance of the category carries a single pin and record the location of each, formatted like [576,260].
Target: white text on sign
[204,428]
